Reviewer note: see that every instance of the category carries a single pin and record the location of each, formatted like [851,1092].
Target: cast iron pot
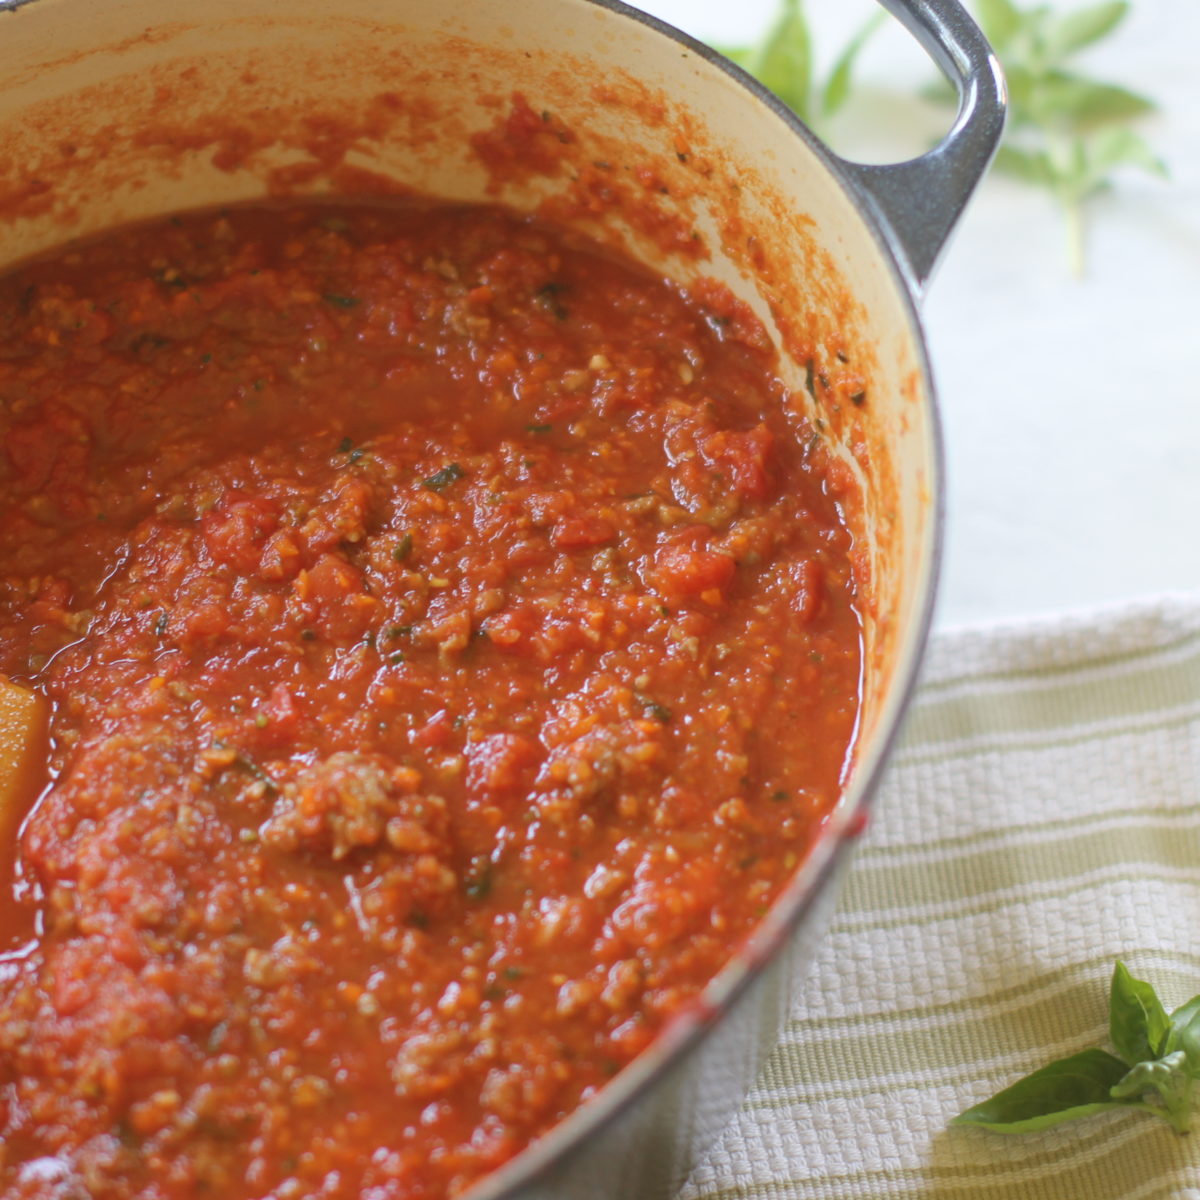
[117,110]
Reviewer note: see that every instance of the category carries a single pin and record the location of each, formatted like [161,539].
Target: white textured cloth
[1040,820]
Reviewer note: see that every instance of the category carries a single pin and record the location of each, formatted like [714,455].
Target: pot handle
[919,202]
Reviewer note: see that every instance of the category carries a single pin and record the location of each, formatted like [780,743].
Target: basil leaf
[1122,148]
[1069,1088]
[1000,19]
[1170,1079]
[1083,104]
[1032,166]
[837,87]
[1183,1017]
[442,479]
[1085,26]
[1150,1076]
[1023,96]
[784,62]
[1185,1033]
[1138,1023]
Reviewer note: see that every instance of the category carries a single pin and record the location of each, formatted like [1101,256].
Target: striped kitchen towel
[1041,819]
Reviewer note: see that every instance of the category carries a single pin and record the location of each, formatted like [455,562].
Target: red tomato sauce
[452,648]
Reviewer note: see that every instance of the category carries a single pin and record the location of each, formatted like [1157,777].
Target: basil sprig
[1156,1064]
[1067,132]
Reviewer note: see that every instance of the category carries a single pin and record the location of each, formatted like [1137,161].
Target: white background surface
[1071,406]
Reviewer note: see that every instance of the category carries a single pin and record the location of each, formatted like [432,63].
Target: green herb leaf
[1138,1023]
[1185,1033]
[342,301]
[1000,20]
[1023,109]
[1182,1019]
[837,87]
[1157,1072]
[1167,1077]
[1086,26]
[784,60]
[1084,104]
[1147,1076]
[443,478]
[1063,1091]
[1185,1015]
[1114,148]
[1031,166]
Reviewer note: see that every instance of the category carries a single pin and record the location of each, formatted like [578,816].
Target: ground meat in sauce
[452,650]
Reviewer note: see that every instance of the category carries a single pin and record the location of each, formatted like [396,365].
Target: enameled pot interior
[115,112]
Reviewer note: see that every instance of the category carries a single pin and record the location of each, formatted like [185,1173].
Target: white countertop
[1071,406]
